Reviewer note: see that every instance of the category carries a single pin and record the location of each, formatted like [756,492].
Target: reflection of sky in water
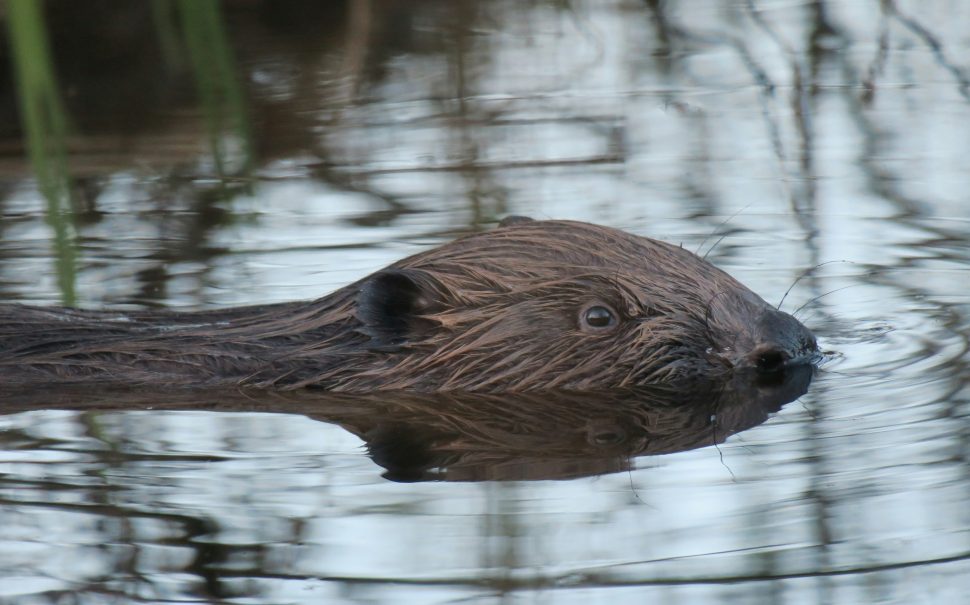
[567,115]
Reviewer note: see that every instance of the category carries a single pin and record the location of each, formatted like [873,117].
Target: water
[803,133]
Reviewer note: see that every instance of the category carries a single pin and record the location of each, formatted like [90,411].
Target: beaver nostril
[770,361]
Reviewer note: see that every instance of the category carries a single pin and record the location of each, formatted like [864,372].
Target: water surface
[820,144]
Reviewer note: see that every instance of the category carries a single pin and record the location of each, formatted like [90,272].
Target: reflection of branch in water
[801,112]
[615,576]
[889,6]
[766,88]
[881,183]
[607,158]
[878,62]
[358,43]
[698,183]
[599,579]
[480,184]
[661,23]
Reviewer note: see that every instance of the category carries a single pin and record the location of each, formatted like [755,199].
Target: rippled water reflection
[802,132]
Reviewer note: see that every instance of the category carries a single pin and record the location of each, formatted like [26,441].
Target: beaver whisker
[804,274]
[821,296]
[716,229]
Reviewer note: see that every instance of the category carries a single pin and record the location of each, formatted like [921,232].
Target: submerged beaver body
[529,306]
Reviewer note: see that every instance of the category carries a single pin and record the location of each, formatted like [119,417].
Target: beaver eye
[598,317]
[607,438]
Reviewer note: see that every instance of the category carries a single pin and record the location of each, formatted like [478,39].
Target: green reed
[216,76]
[191,29]
[45,127]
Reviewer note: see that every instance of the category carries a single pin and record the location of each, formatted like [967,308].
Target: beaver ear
[390,304]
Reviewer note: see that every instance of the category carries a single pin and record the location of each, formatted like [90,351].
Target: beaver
[528,306]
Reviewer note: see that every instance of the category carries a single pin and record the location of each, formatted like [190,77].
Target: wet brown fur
[492,312]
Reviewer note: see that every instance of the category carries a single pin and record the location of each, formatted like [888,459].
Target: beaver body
[529,306]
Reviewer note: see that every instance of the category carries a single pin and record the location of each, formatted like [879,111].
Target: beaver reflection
[479,437]
[530,306]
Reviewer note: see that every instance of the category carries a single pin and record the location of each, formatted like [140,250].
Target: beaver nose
[768,359]
[784,342]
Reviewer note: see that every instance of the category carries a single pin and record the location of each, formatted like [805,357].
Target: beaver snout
[784,343]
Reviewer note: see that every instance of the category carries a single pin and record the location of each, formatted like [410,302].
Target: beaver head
[536,305]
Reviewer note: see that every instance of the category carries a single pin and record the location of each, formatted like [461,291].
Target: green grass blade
[45,129]
[216,76]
